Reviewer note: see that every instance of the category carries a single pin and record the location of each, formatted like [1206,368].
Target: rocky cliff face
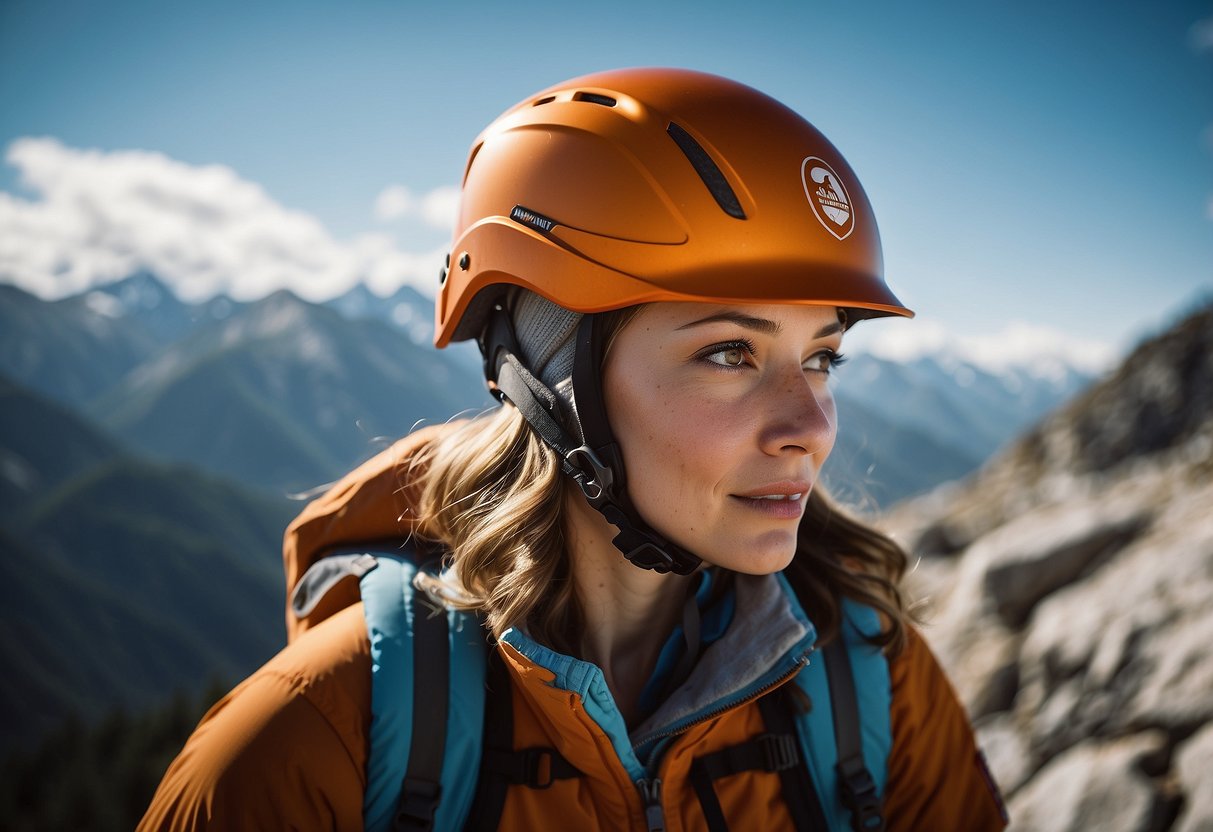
[1068,589]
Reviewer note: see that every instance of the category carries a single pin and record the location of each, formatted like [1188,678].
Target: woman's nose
[798,415]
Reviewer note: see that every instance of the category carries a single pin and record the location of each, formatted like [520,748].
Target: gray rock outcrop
[1068,590]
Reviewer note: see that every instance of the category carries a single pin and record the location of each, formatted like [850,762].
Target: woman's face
[724,418]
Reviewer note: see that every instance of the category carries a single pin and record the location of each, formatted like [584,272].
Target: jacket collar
[768,640]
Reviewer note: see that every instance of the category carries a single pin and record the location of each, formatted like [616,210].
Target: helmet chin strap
[595,463]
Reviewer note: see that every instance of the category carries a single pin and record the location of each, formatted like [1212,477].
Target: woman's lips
[783,500]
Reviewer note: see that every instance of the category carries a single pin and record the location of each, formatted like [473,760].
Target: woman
[659,267]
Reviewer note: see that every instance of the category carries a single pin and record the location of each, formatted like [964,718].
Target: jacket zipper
[774,683]
[650,788]
[650,796]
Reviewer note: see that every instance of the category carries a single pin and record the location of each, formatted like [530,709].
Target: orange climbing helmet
[642,185]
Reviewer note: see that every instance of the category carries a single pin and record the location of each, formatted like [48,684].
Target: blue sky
[1046,163]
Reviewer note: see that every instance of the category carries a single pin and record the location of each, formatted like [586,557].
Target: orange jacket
[287,748]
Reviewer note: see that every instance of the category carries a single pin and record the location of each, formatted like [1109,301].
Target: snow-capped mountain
[957,401]
[406,309]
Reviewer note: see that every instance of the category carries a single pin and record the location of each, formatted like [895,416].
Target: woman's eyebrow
[763,325]
[828,329]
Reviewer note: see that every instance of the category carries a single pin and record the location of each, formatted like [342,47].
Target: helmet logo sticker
[528,217]
[828,197]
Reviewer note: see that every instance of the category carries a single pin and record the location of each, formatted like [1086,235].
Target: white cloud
[440,206]
[98,216]
[1020,345]
[436,208]
[394,202]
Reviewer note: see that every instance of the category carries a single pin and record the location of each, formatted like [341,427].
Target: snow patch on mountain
[1020,348]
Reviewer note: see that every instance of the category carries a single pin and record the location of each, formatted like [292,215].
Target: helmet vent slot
[547,99]
[595,98]
[708,171]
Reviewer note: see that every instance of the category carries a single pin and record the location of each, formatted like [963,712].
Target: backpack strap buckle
[539,768]
[418,803]
[780,751]
[859,795]
[536,768]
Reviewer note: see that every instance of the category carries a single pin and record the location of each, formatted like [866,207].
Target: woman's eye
[730,357]
[824,361]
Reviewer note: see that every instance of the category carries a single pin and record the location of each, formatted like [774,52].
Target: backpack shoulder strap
[427,691]
[844,716]
[427,703]
[855,781]
[503,766]
[421,788]
[498,734]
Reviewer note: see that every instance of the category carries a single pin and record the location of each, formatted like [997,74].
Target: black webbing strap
[595,464]
[638,541]
[535,768]
[854,780]
[500,765]
[535,402]
[799,792]
[489,802]
[422,787]
[692,643]
[509,378]
[591,408]
[775,751]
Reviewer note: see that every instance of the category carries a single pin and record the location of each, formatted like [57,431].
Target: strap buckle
[646,550]
[533,768]
[859,795]
[650,556]
[596,478]
[418,803]
[780,751]
[537,767]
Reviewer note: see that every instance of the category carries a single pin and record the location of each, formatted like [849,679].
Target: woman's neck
[628,612]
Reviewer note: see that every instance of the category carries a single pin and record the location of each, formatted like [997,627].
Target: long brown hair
[493,494]
[839,556]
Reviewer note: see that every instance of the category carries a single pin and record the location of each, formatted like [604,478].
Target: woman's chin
[763,556]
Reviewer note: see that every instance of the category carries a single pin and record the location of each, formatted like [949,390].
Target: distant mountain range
[280,394]
[122,580]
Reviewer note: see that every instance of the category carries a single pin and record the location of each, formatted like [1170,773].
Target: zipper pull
[650,794]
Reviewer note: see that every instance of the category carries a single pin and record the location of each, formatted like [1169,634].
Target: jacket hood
[371,505]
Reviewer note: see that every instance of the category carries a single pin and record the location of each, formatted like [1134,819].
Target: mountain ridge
[100,550]
[304,394]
